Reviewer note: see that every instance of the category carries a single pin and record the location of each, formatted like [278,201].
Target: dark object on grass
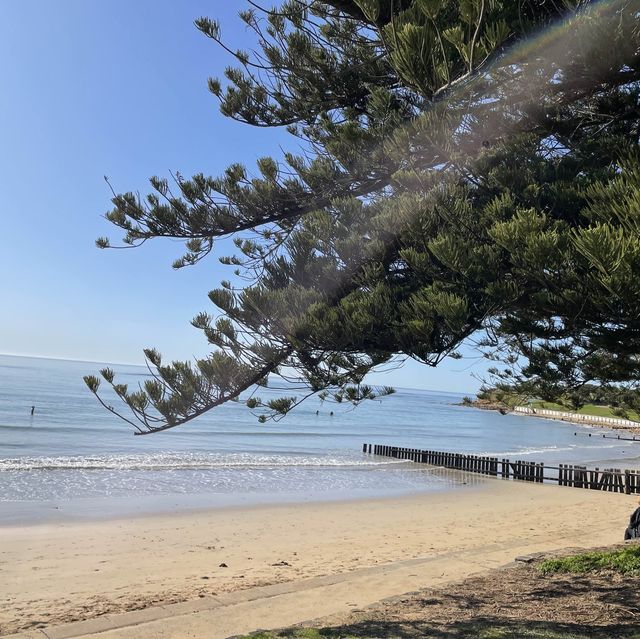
[633,530]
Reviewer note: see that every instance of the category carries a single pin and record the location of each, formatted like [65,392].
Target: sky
[119,88]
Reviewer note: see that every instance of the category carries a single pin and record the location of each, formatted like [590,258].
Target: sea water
[73,458]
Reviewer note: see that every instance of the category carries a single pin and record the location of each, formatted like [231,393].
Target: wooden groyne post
[609,479]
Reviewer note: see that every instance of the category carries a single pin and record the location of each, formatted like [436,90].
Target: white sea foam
[71,448]
[190,461]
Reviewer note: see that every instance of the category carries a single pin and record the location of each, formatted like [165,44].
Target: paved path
[285,604]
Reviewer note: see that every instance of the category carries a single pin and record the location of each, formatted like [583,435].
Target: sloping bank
[519,600]
[577,418]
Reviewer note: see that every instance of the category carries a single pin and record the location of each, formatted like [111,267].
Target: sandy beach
[56,573]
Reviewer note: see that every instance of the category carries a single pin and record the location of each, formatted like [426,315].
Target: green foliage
[458,177]
[590,409]
[625,561]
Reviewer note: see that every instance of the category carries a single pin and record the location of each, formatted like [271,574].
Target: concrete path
[284,604]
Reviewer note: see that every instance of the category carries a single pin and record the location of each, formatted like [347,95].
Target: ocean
[73,459]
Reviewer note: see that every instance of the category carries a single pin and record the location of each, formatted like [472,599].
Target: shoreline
[18,514]
[588,421]
[61,572]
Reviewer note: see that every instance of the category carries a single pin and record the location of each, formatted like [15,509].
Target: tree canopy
[466,167]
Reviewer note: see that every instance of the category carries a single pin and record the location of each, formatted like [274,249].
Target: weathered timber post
[619,481]
[609,479]
[580,472]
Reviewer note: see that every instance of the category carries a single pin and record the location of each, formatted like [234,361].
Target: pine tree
[466,167]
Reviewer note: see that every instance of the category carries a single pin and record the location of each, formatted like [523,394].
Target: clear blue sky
[116,88]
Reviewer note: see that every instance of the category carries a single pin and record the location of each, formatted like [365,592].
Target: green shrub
[624,561]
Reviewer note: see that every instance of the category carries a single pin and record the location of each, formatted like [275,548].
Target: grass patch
[587,409]
[624,561]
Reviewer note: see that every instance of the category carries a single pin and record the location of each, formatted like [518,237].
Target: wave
[547,449]
[164,461]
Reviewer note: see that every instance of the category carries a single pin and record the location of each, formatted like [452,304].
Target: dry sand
[55,573]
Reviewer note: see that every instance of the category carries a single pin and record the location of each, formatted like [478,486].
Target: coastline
[588,421]
[67,571]
[111,508]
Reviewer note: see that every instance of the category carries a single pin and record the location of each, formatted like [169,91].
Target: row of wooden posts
[610,479]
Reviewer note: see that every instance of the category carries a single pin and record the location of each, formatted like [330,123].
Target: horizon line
[93,361]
